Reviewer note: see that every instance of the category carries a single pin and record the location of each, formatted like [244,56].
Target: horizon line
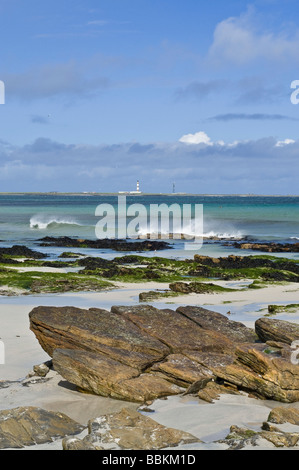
[128,193]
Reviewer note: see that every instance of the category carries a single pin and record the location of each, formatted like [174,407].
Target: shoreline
[128,193]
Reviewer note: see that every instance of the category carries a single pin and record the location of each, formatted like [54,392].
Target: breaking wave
[189,232]
[42,222]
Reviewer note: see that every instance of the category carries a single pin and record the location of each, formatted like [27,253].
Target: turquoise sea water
[29,217]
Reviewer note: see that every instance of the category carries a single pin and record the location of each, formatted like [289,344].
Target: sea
[27,218]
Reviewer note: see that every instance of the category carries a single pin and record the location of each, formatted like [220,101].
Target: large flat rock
[175,330]
[235,331]
[140,353]
[104,376]
[97,331]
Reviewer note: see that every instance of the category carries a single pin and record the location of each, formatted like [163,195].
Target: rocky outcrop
[263,374]
[128,430]
[239,438]
[235,331]
[140,353]
[282,415]
[251,267]
[136,353]
[269,247]
[104,376]
[28,426]
[277,330]
[111,244]
[97,331]
[18,250]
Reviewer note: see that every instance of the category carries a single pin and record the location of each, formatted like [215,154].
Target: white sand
[39,269]
[209,422]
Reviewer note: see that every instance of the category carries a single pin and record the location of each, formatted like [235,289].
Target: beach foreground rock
[277,330]
[27,426]
[269,377]
[129,430]
[140,353]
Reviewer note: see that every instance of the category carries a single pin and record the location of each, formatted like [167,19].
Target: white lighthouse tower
[137,189]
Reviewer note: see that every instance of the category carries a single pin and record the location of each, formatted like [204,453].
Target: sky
[100,93]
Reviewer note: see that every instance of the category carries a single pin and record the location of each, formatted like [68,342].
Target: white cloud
[197,138]
[50,80]
[238,40]
[238,167]
[282,143]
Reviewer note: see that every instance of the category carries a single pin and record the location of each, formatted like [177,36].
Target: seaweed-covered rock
[112,244]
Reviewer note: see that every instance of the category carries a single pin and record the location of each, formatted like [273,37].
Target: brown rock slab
[281,439]
[177,331]
[270,377]
[210,360]
[282,415]
[217,322]
[27,426]
[270,329]
[130,430]
[103,376]
[139,353]
[181,370]
[213,390]
[95,330]
[147,387]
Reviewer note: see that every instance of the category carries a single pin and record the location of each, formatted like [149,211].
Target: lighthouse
[137,189]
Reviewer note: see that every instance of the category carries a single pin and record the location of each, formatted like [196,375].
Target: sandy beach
[209,422]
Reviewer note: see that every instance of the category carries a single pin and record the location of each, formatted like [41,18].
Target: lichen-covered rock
[103,376]
[238,438]
[271,377]
[271,329]
[282,415]
[130,430]
[212,391]
[27,426]
[140,353]
[235,331]
[97,331]
[181,370]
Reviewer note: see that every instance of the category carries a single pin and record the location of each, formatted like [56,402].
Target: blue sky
[100,93]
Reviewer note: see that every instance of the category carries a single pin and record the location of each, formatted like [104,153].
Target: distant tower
[137,187]
[173,188]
